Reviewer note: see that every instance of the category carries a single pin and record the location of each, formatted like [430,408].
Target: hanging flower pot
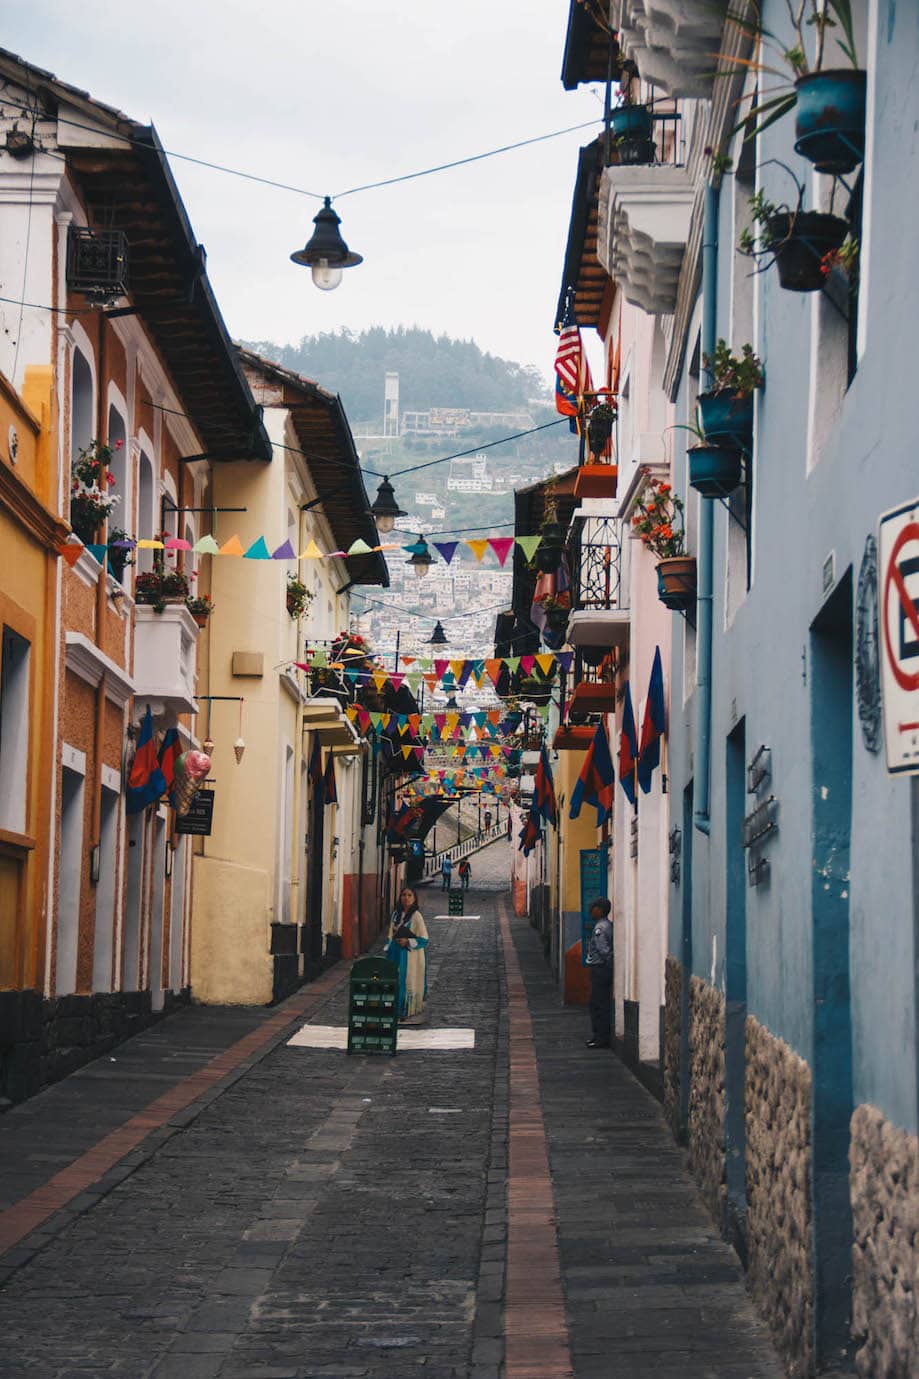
[830,119]
[630,126]
[557,619]
[549,551]
[676,582]
[536,691]
[594,656]
[596,481]
[726,418]
[600,428]
[798,241]
[715,470]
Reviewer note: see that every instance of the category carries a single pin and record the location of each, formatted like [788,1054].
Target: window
[14,730]
[146,510]
[82,405]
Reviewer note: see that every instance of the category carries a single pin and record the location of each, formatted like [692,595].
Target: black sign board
[200,813]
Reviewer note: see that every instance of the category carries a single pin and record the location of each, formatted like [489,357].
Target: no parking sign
[898,618]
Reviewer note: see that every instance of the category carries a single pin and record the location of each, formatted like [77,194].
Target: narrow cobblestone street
[311,1216]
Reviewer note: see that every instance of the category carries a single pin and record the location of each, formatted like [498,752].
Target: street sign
[200,813]
[898,616]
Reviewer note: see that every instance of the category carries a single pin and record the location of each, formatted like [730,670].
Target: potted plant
[299,597]
[631,122]
[597,478]
[120,546]
[829,102]
[795,240]
[549,552]
[159,586]
[658,522]
[201,606]
[90,481]
[726,408]
[556,608]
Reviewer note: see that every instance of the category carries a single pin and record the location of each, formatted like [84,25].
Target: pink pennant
[527,663]
[501,545]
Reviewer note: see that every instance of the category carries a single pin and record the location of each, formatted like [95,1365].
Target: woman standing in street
[407,940]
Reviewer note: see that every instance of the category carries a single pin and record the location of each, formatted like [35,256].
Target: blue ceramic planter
[631,122]
[715,470]
[830,119]
[726,418]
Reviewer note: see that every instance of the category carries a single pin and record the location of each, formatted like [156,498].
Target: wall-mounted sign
[898,619]
[594,886]
[199,816]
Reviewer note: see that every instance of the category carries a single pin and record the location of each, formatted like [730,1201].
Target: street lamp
[385,509]
[420,559]
[438,637]
[326,253]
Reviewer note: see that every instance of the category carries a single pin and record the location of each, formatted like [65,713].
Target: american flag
[572,371]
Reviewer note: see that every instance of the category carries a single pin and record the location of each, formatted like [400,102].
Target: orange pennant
[70,553]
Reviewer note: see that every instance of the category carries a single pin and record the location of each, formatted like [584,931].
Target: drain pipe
[706,530]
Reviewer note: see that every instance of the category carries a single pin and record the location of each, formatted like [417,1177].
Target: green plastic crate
[373,1008]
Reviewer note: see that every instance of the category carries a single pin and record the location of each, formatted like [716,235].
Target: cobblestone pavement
[334,1218]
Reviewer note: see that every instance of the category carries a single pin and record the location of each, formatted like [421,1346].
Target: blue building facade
[790,1044]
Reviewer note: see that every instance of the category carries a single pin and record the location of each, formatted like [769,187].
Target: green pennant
[206,545]
[528,544]
[320,658]
[512,663]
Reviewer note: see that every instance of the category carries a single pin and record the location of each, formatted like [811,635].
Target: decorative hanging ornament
[239,748]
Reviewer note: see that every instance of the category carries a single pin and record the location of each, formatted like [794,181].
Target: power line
[476,449]
[303,191]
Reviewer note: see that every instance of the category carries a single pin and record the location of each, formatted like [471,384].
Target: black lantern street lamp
[420,559]
[385,509]
[438,637]
[326,253]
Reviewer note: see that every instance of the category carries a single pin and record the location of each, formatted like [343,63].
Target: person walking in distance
[446,873]
[465,871]
[600,966]
[406,945]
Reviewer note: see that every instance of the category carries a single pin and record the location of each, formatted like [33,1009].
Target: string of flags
[446,673]
[259,549]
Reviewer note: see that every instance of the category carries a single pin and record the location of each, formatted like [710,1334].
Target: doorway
[315,876]
[70,883]
[156,914]
[735,1007]
[831,706]
[130,960]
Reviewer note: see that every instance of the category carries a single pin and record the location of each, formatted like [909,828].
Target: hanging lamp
[420,559]
[438,637]
[385,509]
[326,253]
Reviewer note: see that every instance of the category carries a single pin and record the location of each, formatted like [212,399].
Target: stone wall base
[777,1107]
[42,1041]
[884,1164]
[706,1094]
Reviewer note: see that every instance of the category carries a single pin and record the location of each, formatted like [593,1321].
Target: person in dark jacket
[600,966]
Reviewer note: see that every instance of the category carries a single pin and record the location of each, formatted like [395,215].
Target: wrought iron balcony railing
[597,566]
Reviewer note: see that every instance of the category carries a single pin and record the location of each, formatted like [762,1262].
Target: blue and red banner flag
[544,801]
[146,782]
[315,767]
[597,781]
[653,725]
[170,751]
[628,747]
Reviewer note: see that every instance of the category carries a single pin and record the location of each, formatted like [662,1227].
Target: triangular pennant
[284,552]
[147,544]
[447,549]
[97,552]
[312,552]
[493,670]
[441,667]
[501,545]
[359,547]
[379,678]
[232,547]
[545,663]
[258,550]
[512,663]
[528,544]
[70,552]
[527,663]
[206,545]
[478,546]
[177,543]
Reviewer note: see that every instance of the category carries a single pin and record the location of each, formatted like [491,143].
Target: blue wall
[761,669]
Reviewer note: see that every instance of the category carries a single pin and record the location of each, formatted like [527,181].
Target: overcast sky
[330,95]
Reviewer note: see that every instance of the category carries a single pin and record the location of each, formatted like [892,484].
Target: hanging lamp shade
[438,636]
[385,509]
[326,253]
[420,559]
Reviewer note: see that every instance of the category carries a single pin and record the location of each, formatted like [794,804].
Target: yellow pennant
[312,552]
[232,547]
[478,547]
[545,663]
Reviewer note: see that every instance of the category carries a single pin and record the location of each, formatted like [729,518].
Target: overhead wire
[133,141]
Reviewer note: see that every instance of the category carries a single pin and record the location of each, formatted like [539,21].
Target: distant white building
[470,475]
